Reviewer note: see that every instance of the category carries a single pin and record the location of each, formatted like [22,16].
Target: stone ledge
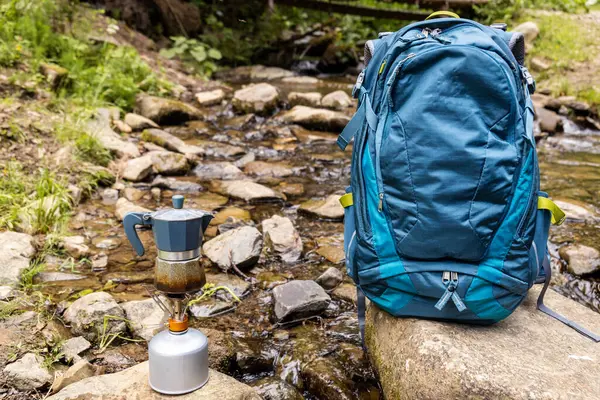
[527,356]
[132,384]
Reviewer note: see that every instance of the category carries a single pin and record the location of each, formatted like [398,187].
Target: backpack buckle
[358,84]
[528,79]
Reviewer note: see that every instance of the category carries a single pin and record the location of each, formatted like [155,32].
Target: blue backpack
[444,218]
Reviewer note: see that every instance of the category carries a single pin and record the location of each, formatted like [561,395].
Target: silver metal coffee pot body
[178,361]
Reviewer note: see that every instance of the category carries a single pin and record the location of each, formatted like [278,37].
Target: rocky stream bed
[272,176]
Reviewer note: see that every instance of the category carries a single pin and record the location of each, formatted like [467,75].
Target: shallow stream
[329,345]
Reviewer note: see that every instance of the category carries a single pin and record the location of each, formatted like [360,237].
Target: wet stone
[252,356]
[138,122]
[124,206]
[237,285]
[291,189]
[86,315]
[73,347]
[281,235]
[575,212]
[240,247]
[316,118]
[210,98]
[218,170]
[16,251]
[166,111]
[338,100]
[75,246]
[346,291]
[273,388]
[133,194]
[240,122]
[176,185]
[266,169]
[209,201]
[80,370]
[211,308]
[246,190]
[581,260]
[27,373]
[106,243]
[331,248]
[330,278]
[310,99]
[299,299]
[301,80]
[326,379]
[261,98]
[137,169]
[110,196]
[169,142]
[99,263]
[329,208]
[233,223]
[146,317]
[168,163]
[129,277]
[43,277]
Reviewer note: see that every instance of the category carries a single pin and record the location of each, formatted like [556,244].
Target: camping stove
[178,357]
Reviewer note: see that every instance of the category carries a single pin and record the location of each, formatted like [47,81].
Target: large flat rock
[527,356]
[132,384]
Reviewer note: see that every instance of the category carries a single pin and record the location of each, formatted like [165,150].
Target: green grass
[563,41]
[33,32]
[37,203]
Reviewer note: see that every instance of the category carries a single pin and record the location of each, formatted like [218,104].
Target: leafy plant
[198,54]
[106,338]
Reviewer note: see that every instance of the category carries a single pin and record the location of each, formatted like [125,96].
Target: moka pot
[178,234]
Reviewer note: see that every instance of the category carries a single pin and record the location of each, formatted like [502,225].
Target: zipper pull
[380,206]
[450,280]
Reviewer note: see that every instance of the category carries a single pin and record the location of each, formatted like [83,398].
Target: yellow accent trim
[443,14]
[347,200]
[558,215]
[382,67]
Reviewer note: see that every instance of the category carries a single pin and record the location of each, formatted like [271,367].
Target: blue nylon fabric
[382,238]
[480,296]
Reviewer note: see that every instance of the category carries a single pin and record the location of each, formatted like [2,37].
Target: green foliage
[509,10]
[88,148]
[198,54]
[38,203]
[35,31]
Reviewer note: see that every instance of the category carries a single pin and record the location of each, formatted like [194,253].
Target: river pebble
[299,299]
[240,247]
[86,316]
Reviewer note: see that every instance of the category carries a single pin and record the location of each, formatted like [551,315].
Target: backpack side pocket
[350,239]
[547,213]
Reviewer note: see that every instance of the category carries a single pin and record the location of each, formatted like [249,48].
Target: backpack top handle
[439,14]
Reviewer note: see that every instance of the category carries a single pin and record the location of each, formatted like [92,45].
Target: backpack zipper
[450,280]
[379,132]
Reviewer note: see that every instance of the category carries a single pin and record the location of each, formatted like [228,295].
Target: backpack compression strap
[544,308]
[365,111]
[558,217]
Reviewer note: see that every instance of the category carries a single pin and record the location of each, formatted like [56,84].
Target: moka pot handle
[130,221]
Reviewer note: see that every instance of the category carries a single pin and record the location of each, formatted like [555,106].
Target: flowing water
[321,357]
